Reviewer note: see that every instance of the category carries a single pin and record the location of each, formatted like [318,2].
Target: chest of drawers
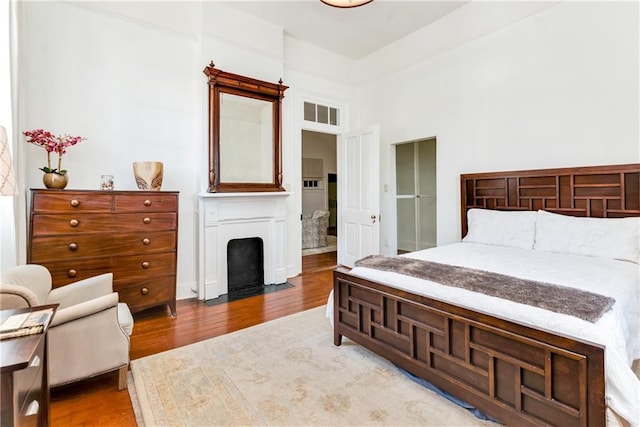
[77,234]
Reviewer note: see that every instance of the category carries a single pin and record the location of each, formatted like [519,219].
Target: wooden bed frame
[513,372]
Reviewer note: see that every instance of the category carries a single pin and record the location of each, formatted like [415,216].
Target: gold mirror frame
[223,82]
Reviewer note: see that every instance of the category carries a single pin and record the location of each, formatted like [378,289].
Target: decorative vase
[148,175]
[55,181]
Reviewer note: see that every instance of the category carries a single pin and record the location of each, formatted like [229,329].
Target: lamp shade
[346,3]
[8,185]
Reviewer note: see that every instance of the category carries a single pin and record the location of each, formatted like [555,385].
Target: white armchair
[89,334]
[314,229]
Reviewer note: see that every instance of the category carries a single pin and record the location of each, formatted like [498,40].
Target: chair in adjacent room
[314,229]
[89,334]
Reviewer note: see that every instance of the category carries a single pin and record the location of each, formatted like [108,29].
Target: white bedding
[618,329]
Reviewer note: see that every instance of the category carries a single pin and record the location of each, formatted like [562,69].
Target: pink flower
[52,143]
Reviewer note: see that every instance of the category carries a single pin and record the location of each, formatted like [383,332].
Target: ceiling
[353,33]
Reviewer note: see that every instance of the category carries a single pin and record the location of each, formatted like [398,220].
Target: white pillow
[616,238]
[502,228]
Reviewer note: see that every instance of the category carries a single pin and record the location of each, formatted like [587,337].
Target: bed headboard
[611,191]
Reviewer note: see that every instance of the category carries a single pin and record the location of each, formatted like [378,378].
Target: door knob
[373,218]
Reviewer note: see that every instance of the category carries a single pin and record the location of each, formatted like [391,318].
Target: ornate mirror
[244,133]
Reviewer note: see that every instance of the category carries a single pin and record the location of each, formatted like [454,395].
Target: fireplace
[224,217]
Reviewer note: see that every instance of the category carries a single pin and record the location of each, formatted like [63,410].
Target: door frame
[294,259]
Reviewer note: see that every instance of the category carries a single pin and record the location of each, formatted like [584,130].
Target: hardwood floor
[98,402]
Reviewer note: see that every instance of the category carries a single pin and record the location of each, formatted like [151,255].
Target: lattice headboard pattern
[611,191]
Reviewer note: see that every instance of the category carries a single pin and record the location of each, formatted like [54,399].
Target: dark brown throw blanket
[560,299]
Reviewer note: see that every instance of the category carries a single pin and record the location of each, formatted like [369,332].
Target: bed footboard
[517,374]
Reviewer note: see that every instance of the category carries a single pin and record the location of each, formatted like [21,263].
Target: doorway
[319,192]
[416,201]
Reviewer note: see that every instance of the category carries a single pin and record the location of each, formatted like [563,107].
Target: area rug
[285,372]
[332,246]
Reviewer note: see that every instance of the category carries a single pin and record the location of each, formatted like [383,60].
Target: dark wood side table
[24,396]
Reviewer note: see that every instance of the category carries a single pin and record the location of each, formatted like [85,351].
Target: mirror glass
[246,139]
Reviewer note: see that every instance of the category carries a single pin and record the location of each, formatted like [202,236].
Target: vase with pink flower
[56,178]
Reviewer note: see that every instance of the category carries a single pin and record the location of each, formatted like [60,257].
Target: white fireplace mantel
[226,216]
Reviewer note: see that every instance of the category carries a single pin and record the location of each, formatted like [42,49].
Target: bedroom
[503,86]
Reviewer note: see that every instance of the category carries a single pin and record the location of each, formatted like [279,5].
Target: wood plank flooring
[97,402]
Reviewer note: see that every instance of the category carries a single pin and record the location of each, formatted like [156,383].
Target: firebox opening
[245,264]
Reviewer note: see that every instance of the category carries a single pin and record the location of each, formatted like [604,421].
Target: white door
[358,195]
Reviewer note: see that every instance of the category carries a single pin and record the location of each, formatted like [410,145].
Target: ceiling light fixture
[346,3]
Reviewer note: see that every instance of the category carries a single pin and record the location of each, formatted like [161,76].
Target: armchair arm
[16,296]
[85,309]
[81,291]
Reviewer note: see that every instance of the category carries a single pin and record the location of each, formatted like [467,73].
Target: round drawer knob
[144,291]
[146,220]
[145,264]
[72,273]
[73,246]
[75,203]
[74,223]
[147,202]
[146,241]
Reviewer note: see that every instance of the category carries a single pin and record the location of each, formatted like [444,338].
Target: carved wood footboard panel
[517,374]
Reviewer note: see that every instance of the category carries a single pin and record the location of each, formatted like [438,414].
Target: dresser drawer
[70,223]
[125,269]
[30,413]
[52,248]
[70,201]
[143,266]
[145,293]
[26,380]
[145,202]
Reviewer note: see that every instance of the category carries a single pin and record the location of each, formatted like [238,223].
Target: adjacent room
[320,212]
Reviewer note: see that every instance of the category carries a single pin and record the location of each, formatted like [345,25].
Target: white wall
[557,88]
[128,76]
[131,87]
[502,85]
